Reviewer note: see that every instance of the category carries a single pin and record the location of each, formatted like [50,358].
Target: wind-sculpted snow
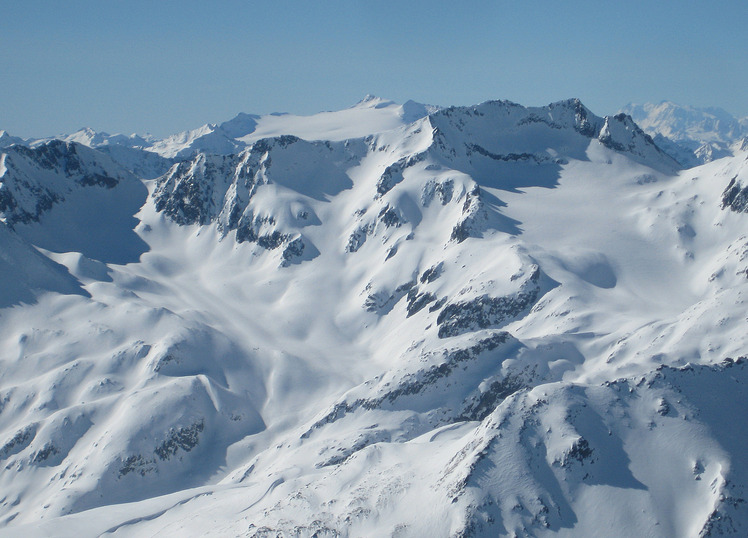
[472,321]
[221,188]
[558,459]
[108,436]
[396,391]
[30,272]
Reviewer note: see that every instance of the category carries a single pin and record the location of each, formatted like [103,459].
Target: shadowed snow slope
[388,320]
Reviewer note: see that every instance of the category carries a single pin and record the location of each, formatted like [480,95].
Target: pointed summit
[7,140]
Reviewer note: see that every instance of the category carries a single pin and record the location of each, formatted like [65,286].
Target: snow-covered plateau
[390,320]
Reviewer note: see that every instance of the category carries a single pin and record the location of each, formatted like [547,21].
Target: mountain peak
[372,101]
[240,125]
[571,102]
[8,140]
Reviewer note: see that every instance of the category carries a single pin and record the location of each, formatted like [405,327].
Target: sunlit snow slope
[473,321]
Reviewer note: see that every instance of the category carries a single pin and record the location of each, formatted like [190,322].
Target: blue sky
[163,66]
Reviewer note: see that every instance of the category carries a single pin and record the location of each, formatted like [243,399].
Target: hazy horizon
[166,67]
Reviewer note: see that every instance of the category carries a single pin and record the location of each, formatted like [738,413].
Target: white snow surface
[389,320]
[372,115]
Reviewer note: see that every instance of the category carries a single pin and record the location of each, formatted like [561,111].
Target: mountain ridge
[489,320]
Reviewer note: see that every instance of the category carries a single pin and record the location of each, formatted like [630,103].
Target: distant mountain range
[691,135]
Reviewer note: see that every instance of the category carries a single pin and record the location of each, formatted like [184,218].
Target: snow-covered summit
[372,101]
[500,144]
[506,131]
[240,125]
[369,116]
[208,138]
[88,137]
[7,140]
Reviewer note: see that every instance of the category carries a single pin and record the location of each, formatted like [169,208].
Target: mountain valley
[390,320]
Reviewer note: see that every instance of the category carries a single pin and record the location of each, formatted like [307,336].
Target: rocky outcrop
[735,196]
[176,439]
[485,311]
[449,364]
[393,174]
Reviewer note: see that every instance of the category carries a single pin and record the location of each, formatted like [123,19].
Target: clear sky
[163,66]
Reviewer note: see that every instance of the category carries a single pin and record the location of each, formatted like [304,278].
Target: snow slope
[473,321]
[371,115]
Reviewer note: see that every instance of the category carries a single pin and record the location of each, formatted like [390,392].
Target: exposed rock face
[622,134]
[33,180]
[483,312]
[583,449]
[474,218]
[735,196]
[183,438]
[7,140]
[223,189]
[398,391]
[489,312]
[393,174]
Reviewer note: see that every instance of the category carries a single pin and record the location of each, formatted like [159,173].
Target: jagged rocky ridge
[222,189]
[544,453]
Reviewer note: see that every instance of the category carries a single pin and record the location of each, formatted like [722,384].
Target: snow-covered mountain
[391,320]
[691,135]
[132,152]
[7,140]
[149,157]
[370,116]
